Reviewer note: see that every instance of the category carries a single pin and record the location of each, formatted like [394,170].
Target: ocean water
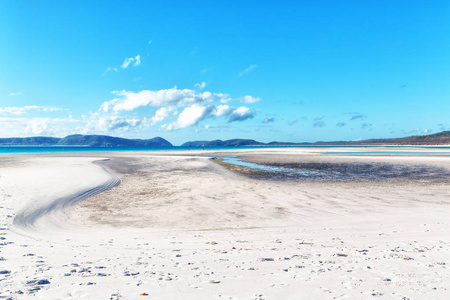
[58,149]
[62,149]
[76,149]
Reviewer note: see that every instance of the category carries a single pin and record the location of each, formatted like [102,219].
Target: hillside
[220,143]
[85,140]
[441,138]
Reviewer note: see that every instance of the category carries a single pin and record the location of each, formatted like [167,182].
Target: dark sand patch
[322,169]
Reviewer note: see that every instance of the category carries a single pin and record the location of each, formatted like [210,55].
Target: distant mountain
[110,141]
[85,140]
[441,138]
[220,143]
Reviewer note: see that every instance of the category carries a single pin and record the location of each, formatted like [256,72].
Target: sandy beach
[181,225]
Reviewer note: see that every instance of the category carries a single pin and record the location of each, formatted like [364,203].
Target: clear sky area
[293,71]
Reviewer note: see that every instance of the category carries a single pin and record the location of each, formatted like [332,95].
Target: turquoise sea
[396,150]
[58,149]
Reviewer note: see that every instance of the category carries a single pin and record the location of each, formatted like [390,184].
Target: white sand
[186,228]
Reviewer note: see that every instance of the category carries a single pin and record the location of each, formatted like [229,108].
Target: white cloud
[223,110]
[38,126]
[17,111]
[200,86]
[160,115]
[49,108]
[129,60]
[190,116]
[109,69]
[15,94]
[104,107]
[247,70]
[126,63]
[235,114]
[124,124]
[250,99]
[194,114]
[195,106]
[173,97]
[240,114]
[137,60]
[105,123]
[12,127]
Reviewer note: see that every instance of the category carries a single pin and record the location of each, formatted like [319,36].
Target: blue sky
[199,70]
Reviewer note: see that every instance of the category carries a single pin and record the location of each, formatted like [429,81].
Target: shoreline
[175,149]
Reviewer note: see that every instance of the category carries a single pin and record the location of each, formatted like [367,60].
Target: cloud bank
[179,108]
[36,126]
[168,109]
